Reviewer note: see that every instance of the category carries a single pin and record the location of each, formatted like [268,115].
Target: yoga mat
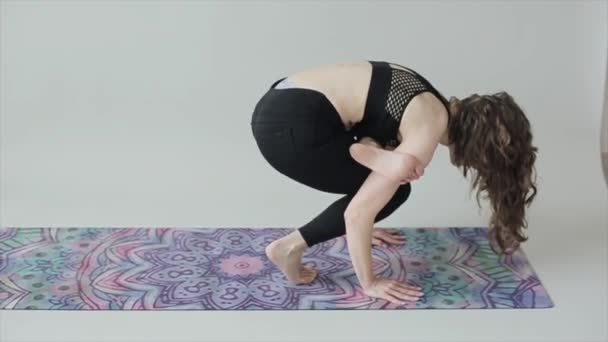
[226,269]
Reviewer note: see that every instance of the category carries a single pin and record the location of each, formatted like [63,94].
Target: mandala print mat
[226,269]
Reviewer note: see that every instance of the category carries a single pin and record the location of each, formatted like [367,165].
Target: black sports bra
[390,91]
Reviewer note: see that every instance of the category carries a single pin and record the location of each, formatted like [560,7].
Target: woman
[366,130]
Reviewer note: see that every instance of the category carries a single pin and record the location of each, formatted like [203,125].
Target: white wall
[604,133]
[137,114]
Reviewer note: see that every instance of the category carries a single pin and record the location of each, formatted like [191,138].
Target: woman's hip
[297,116]
[301,135]
[325,166]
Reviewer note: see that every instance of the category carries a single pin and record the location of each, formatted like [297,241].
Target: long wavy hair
[492,136]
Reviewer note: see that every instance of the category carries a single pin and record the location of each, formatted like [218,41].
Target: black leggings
[301,135]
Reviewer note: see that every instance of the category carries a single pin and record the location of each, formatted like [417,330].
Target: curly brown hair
[492,136]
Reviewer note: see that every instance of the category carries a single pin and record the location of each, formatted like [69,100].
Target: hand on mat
[393,290]
[384,237]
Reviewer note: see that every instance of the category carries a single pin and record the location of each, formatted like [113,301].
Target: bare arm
[378,189]
[359,217]
[420,142]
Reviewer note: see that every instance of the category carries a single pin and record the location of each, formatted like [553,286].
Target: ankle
[294,242]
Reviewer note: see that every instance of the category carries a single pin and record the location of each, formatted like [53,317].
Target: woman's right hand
[393,290]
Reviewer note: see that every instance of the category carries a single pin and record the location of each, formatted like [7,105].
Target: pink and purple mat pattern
[226,269]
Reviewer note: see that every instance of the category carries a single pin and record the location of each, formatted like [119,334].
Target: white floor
[568,253]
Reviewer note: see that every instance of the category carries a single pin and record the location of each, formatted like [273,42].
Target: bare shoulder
[425,111]
[423,124]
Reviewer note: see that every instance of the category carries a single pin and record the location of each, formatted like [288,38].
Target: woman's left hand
[384,237]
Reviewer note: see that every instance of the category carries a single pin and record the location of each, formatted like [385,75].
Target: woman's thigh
[327,165]
[320,162]
[301,135]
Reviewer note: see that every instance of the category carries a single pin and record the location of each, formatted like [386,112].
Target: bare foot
[289,260]
[388,163]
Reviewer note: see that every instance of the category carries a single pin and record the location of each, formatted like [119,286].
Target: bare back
[346,86]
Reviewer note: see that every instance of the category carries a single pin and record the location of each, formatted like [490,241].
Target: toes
[307,278]
[308,272]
